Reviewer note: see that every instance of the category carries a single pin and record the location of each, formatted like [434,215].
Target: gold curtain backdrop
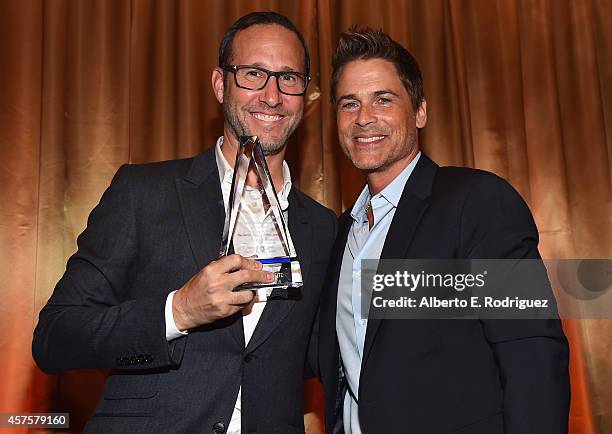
[522,88]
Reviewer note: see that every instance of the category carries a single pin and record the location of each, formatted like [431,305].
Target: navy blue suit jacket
[452,376]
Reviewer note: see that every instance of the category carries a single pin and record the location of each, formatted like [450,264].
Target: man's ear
[421,115]
[217,84]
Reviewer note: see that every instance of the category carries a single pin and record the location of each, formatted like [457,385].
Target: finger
[243,276]
[241,298]
[224,264]
[234,262]
[249,264]
[252,264]
[248,308]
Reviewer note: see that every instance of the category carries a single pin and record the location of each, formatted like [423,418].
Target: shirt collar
[226,173]
[392,193]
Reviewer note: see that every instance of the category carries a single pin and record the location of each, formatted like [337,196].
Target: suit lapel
[202,206]
[204,216]
[301,232]
[411,208]
[277,309]
[329,300]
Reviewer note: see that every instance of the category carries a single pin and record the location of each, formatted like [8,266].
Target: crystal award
[255,226]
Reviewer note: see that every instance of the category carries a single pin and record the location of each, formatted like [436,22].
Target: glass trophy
[255,226]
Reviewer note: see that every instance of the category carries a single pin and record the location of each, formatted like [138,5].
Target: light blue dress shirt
[362,243]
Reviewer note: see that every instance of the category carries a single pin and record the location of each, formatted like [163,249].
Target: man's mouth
[267,117]
[368,139]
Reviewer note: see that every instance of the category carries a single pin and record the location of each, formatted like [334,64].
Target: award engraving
[255,225]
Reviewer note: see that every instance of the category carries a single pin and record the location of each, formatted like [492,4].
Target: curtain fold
[20,93]
[522,88]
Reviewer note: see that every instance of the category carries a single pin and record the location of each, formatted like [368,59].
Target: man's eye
[349,105]
[253,73]
[383,100]
[289,78]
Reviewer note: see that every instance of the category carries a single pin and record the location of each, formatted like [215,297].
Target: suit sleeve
[532,355]
[89,321]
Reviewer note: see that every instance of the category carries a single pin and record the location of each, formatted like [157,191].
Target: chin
[367,166]
[263,134]
[270,140]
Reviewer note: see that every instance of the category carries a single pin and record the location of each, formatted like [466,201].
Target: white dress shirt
[254,235]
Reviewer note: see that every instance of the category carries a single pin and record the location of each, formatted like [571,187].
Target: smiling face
[267,113]
[377,125]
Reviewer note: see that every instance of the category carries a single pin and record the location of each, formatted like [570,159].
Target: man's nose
[365,116]
[270,93]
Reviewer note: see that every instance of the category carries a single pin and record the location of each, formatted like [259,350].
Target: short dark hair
[366,43]
[253,19]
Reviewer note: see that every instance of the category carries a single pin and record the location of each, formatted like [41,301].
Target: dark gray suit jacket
[155,227]
[462,376]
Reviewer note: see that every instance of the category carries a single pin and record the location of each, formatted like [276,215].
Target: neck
[229,149]
[379,179]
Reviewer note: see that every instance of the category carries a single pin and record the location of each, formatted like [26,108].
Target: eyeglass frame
[235,68]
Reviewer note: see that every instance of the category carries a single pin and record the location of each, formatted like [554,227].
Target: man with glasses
[146,296]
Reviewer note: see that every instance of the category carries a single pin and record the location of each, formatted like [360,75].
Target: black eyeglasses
[255,78]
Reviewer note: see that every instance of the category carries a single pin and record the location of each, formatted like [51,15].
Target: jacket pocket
[128,395]
[131,386]
[105,424]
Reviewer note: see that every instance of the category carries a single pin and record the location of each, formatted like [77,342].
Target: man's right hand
[209,296]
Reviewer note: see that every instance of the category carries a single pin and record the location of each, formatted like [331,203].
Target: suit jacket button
[248,358]
[218,428]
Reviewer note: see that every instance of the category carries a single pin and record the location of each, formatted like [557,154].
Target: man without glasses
[146,296]
[425,376]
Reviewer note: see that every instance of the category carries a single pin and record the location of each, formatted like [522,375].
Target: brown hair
[367,43]
[259,18]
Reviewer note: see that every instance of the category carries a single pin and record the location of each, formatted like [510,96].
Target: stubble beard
[239,126]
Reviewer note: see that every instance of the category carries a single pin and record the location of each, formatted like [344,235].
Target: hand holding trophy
[255,225]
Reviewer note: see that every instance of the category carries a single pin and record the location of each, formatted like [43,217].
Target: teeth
[369,139]
[267,118]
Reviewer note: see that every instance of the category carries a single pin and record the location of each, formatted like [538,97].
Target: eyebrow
[283,69]
[376,93]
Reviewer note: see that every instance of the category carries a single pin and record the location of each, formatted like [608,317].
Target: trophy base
[287,274]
